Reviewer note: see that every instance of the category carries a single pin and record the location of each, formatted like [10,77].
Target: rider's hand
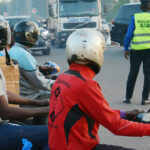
[46,67]
[43,103]
[131,115]
[126,54]
[46,70]
[54,77]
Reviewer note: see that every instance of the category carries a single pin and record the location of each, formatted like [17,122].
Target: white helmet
[86,46]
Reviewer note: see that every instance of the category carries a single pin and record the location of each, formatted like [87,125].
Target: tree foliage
[24,7]
[112,8]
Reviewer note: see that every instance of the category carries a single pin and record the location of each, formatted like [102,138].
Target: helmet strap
[81,62]
[7,57]
[94,67]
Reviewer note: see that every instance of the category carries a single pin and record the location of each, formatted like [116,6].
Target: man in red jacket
[77,105]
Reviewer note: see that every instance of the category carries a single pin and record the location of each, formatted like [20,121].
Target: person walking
[139,33]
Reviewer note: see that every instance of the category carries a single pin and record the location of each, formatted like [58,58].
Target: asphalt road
[112,79]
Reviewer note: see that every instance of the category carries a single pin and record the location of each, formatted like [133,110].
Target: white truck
[66,16]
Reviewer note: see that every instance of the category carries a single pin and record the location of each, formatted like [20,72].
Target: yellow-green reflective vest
[141,37]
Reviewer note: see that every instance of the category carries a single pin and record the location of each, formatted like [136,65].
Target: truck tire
[47,51]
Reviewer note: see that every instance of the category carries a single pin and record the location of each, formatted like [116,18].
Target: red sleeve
[93,103]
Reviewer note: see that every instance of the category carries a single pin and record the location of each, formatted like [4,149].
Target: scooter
[143,117]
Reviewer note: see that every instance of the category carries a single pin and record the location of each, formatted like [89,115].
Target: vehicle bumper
[38,48]
[63,36]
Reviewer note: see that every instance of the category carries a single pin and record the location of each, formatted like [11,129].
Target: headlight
[44,33]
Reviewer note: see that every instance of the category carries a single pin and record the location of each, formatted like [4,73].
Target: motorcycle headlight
[45,33]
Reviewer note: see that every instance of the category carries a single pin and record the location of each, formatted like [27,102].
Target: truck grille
[79,25]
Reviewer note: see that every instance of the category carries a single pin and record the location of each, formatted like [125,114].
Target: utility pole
[29,6]
[47,10]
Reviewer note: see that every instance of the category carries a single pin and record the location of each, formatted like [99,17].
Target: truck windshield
[78,8]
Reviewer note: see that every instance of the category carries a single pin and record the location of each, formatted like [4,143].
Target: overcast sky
[5,1]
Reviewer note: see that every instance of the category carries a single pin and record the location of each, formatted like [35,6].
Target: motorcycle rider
[77,105]
[33,84]
[11,135]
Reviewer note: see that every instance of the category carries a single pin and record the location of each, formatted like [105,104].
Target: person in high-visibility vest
[138,35]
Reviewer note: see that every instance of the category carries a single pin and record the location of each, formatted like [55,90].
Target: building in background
[33,8]
[38,8]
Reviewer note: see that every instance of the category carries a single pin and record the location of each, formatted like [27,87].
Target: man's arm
[17,113]
[16,99]
[128,37]
[129,115]
[29,69]
[129,34]
[98,108]
[37,80]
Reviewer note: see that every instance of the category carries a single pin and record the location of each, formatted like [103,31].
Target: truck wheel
[47,51]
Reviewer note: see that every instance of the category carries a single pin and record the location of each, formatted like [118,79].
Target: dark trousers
[11,136]
[110,147]
[136,58]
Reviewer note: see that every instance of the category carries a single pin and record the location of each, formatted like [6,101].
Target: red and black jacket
[78,107]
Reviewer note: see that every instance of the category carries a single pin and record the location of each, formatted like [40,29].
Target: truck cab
[66,16]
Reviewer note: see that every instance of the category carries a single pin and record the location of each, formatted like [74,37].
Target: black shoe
[127,100]
[145,102]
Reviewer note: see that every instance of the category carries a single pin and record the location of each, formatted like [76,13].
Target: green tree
[112,8]
[24,7]
[41,6]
